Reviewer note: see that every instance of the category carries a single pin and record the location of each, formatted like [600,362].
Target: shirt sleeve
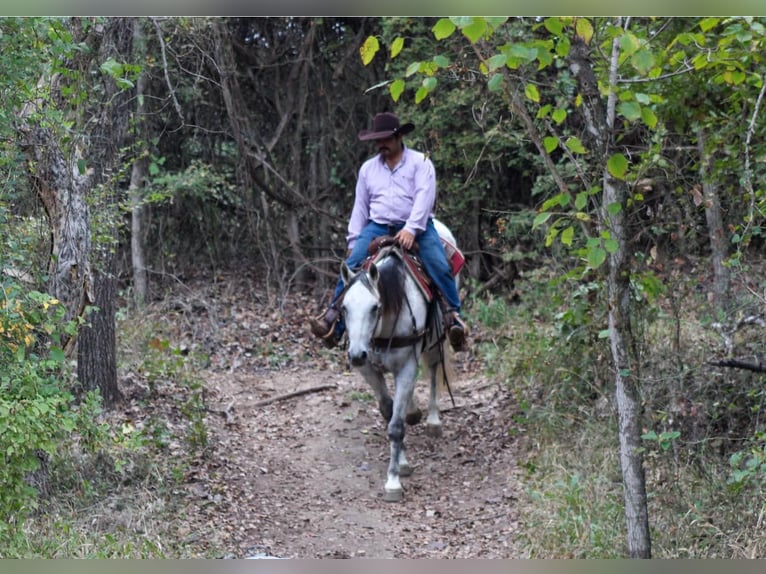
[360,214]
[424,196]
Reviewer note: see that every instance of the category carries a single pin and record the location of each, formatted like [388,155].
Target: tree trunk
[96,357]
[715,227]
[600,126]
[138,176]
[62,189]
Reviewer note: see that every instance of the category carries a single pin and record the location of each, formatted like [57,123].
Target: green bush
[35,406]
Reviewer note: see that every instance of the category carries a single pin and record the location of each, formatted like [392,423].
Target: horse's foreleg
[377,382]
[398,465]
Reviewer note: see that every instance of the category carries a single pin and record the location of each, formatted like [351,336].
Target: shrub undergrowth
[76,482]
[703,430]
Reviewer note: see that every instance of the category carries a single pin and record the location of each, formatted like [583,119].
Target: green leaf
[421,94]
[443,28]
[411,69]
[475,30]
[495,83]
[496,61]
[550,143]
[112,67]
[596,256]
[396,47]
[541,218]
[707,24]
[574,144]
[611,245]
[648,117]
[369,49]
[559,115]
[57,354]
[581,200]
[441,61]
[614,208]
[567,235]
[494,22]
[629,44]
[584,29]
[629,110]
[124,83]
[429,83]
[82,167]
[553,25]
[562,47]
[603,334]
[617,165]
[642,61]
[396,89]
[531,92]
[558,200]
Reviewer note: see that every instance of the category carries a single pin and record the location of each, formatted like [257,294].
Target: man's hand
[405,239]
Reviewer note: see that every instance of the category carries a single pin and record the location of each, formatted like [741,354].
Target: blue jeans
[431,252]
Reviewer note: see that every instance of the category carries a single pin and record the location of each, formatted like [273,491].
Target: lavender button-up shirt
[405,194]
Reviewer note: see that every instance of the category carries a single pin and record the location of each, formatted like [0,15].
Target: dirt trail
[303,476]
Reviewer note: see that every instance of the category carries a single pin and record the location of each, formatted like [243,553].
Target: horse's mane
[391,285]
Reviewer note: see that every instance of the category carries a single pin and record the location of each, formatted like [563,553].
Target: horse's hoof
[405,470]
[434,431]
[392,495]
[413,418]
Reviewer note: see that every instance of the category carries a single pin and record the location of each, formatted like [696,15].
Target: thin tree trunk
[138,176]
[715,227]
[600,125]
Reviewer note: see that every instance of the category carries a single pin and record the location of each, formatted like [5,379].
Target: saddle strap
[397,342]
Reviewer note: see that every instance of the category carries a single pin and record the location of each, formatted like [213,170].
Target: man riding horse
[395,195]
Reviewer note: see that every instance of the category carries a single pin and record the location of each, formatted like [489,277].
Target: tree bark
[600,126]
[96,356]
[715,227]
[138,176]
[62,188]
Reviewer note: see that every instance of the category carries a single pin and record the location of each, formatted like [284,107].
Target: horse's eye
[375,309]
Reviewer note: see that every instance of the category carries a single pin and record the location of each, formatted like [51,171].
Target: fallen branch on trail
[758,367]
[294,394]
[223,412]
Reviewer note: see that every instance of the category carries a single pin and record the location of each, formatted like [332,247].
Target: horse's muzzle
[357,359]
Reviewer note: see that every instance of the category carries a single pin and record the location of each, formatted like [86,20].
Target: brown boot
[323,327]
[457,332]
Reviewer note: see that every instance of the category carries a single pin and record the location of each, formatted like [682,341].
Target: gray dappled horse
[390,325]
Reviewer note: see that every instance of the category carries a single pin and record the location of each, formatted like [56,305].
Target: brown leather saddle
[385,245]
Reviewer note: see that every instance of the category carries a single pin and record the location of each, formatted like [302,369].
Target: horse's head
[361,310]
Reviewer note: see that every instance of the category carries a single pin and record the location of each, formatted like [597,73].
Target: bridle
[391,342]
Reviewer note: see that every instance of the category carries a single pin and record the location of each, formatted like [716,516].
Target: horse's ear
[345,273]
[374,274]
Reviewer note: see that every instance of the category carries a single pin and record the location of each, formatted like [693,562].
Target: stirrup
[457,332]
[323,326]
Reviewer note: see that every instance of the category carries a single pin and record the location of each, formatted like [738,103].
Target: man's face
[389,146]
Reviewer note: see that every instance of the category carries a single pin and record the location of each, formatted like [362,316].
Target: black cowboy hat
[384,126]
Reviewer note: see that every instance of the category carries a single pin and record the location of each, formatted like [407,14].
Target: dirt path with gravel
[302,477]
